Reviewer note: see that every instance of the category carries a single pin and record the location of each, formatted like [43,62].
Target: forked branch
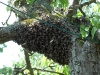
[73,8]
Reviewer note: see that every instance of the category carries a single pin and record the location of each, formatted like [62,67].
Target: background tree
[78,48]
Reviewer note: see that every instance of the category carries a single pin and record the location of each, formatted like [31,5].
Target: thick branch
[7,33]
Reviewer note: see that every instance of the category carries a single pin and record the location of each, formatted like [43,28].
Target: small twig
[49,66]
[87,3]
[76,6]
[84,4]
[48,71]
[82,12]
[7,19]
[20,70]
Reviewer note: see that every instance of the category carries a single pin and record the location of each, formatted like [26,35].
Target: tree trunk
[85,59]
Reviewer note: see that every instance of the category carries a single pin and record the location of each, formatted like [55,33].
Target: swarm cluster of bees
[45,39]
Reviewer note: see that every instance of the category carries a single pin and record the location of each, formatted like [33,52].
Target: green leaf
[94,29]
[94,21]
[79,14]
[66,70]
[99,10]
[60,5]
[29,1]
[54,3]
[98,7]
[84,31]
[95,7]
[87,29]
[8,8]
[98,24]
[64,3]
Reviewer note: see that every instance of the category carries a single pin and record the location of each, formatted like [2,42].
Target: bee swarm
[51,41]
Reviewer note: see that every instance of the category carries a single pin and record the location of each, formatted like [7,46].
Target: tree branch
[7,33]
[76,5]
[28,64]
[48,71]
[87,3]
[73,9]
[20,70]
[7,19]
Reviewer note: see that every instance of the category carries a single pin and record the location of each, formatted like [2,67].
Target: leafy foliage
[60,3]
[84,31]
[44,64]
[96,25]
[30,1]
[6,70]
[94,29]
[94,19]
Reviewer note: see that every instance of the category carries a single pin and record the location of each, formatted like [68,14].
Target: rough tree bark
[84,57]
